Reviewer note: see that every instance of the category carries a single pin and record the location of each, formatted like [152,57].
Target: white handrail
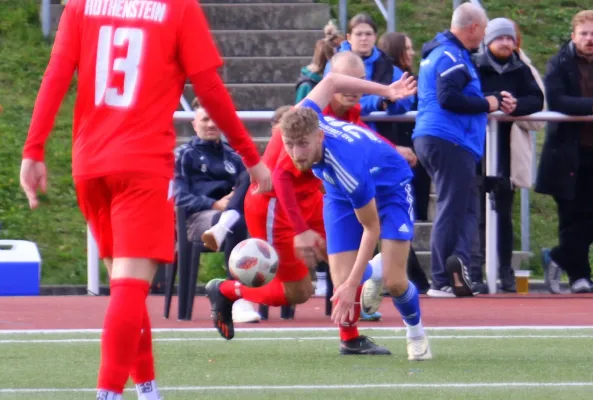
[491,155]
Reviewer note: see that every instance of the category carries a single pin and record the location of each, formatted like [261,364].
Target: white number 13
[108,40]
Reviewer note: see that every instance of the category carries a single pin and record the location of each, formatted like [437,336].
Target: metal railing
[491,170]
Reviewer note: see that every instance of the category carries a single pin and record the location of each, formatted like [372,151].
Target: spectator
[399,48]
[313,73]
[566,164]
[502,73]
[449,141]
[333,34]
[361,39]
[210,183]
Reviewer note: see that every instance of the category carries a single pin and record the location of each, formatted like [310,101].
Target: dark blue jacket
[451,105]
[204,173]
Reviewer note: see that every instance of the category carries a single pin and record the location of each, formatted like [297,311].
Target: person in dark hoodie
[502,72]
[566,164]
[449,141]
[211,181]
[361,39]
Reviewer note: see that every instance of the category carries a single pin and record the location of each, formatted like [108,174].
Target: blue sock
[368,272]
[408,305]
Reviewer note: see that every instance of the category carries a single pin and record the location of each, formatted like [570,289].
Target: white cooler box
[20,268]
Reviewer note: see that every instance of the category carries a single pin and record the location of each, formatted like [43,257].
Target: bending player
[368,197]
[132,61]
[292,284]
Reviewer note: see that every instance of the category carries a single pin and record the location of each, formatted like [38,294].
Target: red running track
[86,312]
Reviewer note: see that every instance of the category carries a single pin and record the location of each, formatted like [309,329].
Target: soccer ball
[253,262]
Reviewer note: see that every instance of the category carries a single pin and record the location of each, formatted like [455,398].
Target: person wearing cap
[504,75]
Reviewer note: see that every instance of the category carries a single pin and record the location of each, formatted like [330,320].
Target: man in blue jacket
[449,141]
[211,182]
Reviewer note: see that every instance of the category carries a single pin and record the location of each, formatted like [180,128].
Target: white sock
[414,331]
[321,277]
[228,219]
[107,395]
[147,391]
[377,266]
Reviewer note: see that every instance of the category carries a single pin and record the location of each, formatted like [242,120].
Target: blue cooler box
[20,268]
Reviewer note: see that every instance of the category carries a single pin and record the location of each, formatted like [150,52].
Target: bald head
[348,63]
[468,14]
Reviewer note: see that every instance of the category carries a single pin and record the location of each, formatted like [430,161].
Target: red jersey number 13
[128,65]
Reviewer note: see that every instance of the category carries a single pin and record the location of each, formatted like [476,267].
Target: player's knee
[134,268]
[299,292]
[396,285]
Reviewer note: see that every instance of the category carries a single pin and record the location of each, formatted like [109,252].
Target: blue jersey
[356,164]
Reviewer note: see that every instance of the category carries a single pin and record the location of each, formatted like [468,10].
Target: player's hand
[260,173]
[404,87]
[310,246]
[408,154]
[33,178]
[343,299]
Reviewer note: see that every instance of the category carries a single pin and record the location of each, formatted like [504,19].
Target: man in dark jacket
[502,72]
[566,164]
[449,141]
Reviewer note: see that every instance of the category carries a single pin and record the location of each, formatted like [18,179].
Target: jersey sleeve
[68,37]
[353,176]
[312,105]
[197,49]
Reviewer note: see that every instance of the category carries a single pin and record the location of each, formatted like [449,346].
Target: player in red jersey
[132,59]
[291,218]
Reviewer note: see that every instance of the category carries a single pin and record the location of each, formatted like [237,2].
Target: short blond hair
[581,18]
[299,122]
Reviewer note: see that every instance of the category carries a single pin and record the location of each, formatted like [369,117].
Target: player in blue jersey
[368,197]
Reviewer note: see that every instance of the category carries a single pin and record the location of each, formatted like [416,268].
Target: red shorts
[130,215]
[267,221]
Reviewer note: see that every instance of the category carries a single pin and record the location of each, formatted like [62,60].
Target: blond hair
[278,113]
[299,122]
[581,18]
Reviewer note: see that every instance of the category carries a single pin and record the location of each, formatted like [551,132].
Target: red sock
[349,330]
[143,369]
[121,332]
[271,294]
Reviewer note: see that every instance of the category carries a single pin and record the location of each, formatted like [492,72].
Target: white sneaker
[321,288]
[243,312]
[419,349]
[214,237]
[371,296]
[443,292]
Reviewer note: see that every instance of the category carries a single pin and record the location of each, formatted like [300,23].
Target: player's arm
[333,83]
[55,83]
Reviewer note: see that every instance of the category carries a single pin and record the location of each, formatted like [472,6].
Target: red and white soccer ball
[254,262]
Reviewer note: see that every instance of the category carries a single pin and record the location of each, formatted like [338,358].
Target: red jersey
[304,182]
[132,58]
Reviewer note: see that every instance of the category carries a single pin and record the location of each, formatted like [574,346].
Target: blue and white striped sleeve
[353,177]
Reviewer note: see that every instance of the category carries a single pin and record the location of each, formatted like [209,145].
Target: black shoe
[459,277]
[222,309]
[479,288]
[507,280]
[362,345]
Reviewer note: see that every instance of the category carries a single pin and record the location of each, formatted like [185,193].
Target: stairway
[264,44]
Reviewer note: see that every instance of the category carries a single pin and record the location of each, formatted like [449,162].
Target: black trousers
[575,224]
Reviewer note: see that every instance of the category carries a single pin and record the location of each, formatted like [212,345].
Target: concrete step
[263,69]
[266,16]
[422,232]
[518,258]
[260,97]
[271,43]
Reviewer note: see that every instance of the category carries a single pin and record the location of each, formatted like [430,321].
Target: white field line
[297,339]
[496,385]
[308,329]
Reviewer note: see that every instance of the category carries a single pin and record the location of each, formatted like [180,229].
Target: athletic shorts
[267,221]
[130,215]
[396,215]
